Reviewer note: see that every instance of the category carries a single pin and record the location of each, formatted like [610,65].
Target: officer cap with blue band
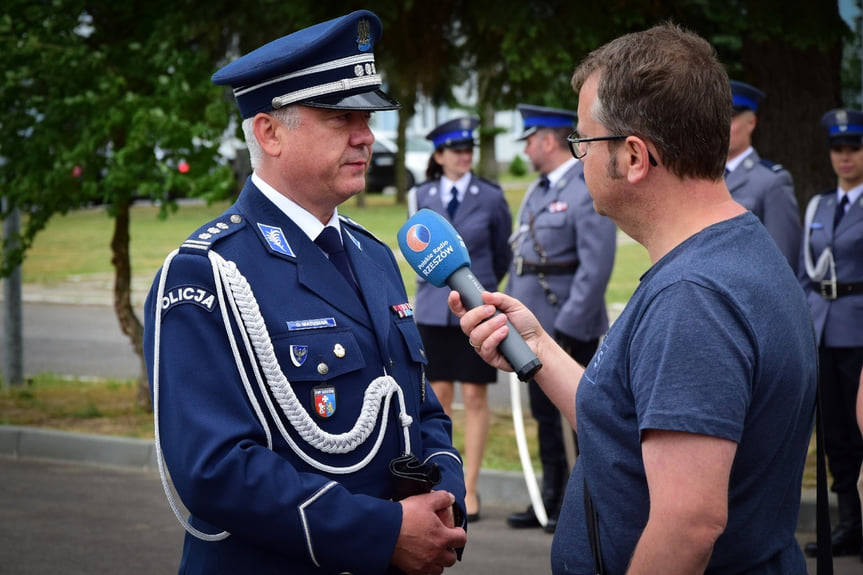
[455,134]
[328,65]
[536,117]
[745,96]
[844,127]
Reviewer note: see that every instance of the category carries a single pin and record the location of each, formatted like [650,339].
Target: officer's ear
[266,130]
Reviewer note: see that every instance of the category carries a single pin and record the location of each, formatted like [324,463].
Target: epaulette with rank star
[772,166]
[203,238]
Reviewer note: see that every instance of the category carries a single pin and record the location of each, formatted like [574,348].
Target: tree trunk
[129,322]
[486,94]
[798,94]
[408,101]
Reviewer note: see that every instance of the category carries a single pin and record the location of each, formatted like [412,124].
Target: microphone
[438,255]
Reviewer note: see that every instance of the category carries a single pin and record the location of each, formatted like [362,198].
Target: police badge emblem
[275,237]
[842,120]
[299,353]
[364,29]
[324,401]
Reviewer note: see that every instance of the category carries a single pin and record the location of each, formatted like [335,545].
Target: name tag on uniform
[319,323]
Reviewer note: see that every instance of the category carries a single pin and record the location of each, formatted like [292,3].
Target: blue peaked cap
[536,117]
[844,126]
[328,65]
[745,96]
[457,133]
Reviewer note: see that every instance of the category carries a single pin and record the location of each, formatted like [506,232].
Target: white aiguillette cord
[256,341]
[816,271]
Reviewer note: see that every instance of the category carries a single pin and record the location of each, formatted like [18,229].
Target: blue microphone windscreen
[432,247]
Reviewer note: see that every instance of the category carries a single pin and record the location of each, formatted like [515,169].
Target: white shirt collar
[853,194]
[557,173]
[446,186]
[731,165]
[310,225]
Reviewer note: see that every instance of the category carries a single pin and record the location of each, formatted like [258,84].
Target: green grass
[108,407]
[77,245]
[75,404]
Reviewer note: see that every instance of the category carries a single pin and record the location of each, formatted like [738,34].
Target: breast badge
[299,353]
[324,400]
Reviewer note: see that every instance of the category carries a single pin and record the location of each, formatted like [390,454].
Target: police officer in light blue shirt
[831,273]
[563,258]
[291,406]
[764,188]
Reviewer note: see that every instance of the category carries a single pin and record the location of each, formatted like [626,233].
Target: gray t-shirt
[716,340]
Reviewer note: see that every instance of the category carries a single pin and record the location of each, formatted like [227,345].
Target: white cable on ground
[523,452]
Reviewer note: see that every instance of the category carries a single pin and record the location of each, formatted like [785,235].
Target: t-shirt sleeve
[692,363]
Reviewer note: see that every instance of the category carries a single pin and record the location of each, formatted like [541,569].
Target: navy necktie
[544,183]
[452,206]
[330,241]
[840,211]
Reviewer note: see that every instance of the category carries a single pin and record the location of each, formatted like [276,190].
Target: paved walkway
[87,517]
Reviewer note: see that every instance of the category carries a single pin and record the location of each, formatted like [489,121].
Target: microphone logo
[418,237]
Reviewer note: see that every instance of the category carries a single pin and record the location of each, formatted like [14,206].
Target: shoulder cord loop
[818,270]
[257,344]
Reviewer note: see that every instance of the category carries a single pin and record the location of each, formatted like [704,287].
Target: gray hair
[288,115]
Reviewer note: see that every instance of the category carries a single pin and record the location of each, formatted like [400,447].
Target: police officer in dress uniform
[563,258]
[764,188]
[291,405]
[478,210]
[831,273]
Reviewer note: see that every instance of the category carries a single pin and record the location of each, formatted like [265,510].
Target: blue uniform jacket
[283,514]
[568,230]
[767,191]
[484,222]
[839,322]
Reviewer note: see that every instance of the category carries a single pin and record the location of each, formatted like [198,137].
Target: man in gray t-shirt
[694,416]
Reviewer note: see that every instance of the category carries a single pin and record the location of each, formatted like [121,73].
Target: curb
[498,488]
[21,442]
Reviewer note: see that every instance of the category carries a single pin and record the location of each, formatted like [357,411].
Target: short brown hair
[667,86]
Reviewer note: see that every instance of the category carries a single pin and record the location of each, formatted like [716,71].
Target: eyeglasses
[578,145]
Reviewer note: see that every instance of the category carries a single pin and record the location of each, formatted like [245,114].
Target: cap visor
[847,140]
[526,133]
[373,101]
[460,144]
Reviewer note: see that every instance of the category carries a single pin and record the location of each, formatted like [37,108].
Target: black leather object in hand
[412,477]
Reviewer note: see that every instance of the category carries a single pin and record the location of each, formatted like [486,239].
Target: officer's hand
[426,544]
[447,516]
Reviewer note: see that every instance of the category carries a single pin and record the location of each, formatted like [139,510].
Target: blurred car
[382,170]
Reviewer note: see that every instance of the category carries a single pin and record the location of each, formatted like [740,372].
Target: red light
[183,166]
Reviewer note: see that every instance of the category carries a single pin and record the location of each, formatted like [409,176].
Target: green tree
[792,50]
[418,55]
[102,101]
